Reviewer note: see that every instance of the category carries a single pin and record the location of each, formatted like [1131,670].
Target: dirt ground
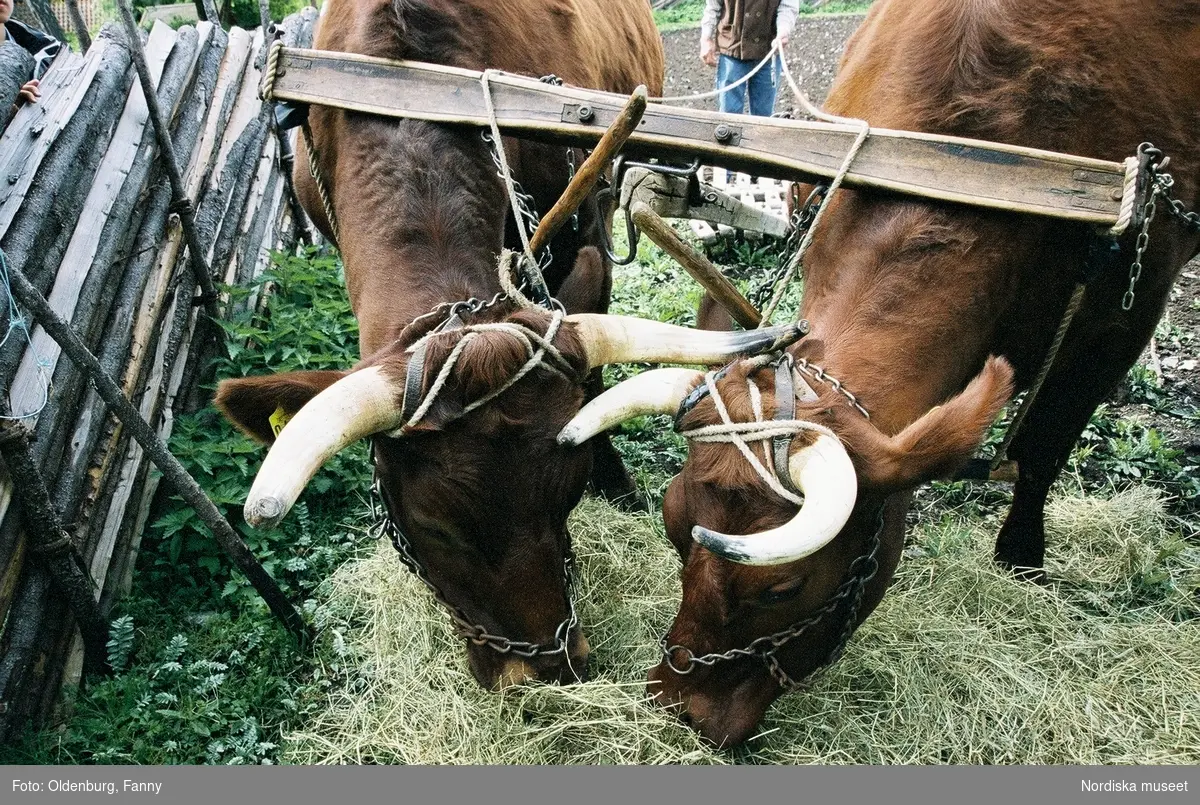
[813,54]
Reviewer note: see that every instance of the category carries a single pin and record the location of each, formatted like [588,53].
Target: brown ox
[908,299]
[481,493]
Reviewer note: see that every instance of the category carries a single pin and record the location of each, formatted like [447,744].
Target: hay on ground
[960,663]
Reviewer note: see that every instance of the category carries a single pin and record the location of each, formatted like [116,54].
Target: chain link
[817,373]
[1190,219]
[1143,239]
[570,178]
[474,633]
[766,648]
[526,213]
[802,218]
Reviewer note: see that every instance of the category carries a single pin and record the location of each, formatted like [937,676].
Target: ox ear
[259,406]
[938,443]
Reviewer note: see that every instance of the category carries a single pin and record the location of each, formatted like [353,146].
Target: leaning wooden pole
[81,30]
[52,544]
[696,264]
[589,172]
[180,203]
[178,478]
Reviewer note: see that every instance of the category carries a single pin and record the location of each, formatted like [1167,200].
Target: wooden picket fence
[85,214]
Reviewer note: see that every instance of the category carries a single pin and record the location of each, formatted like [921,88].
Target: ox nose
[722,717]
[495,671]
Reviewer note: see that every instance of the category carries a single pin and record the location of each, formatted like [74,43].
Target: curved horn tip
[265,512]
[719,545]
[572,435]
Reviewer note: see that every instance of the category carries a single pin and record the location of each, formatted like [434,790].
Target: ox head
[772,589]
[464,423]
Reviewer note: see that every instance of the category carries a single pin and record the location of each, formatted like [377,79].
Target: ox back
[933,314]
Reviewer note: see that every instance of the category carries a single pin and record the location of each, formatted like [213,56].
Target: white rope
[775,48]
[505,266]
[538,347]
[505,173]
[730,432]
[1128,197]
[17,321]
[797,258]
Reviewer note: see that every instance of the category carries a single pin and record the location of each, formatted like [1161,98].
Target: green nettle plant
[202,672]
[307,324]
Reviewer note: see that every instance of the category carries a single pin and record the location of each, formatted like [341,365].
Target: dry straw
[960,664]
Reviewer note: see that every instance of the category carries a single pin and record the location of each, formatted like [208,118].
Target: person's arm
[708,32]
[785,20]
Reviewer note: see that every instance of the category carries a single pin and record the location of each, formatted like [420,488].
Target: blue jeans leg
[730,70]
[763,88]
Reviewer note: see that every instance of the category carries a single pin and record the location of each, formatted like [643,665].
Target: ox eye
[781,592]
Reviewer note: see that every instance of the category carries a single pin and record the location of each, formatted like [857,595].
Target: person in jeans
[735,35]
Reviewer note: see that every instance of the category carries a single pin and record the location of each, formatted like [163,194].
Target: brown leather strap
[785,408]
[414,382]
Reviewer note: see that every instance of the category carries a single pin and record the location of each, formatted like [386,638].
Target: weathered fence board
[25,390]
[112,260]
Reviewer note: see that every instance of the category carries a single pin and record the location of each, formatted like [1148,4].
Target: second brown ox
[463,410]
[909,302]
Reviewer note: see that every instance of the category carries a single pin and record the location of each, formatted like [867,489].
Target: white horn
[626,339]
[358,405]
[658,391]
[824,473]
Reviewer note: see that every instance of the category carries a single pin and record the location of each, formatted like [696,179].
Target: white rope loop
[699,96]
[1128,197]
[539,347]
[735,433]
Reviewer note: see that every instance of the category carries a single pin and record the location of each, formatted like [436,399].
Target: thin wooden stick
[178,478]
[180,203]
[81,31]
[696,264]
[589,172]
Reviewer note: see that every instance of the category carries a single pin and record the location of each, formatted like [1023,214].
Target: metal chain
[526,214]
[817,373]
[802,218]
[386,524]
[1190,219]
[570,178]
[470,306]
[1143,239]
[858,575]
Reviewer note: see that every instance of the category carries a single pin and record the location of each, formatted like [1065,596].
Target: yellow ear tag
[279,419]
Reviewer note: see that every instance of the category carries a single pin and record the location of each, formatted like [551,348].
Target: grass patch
[960,664]
[687,13]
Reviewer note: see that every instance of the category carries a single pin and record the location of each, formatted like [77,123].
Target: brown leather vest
[747,28]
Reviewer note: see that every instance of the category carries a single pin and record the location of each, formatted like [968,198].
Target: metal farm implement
[1109,196]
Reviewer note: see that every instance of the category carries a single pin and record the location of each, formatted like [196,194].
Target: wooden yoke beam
[953,169]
